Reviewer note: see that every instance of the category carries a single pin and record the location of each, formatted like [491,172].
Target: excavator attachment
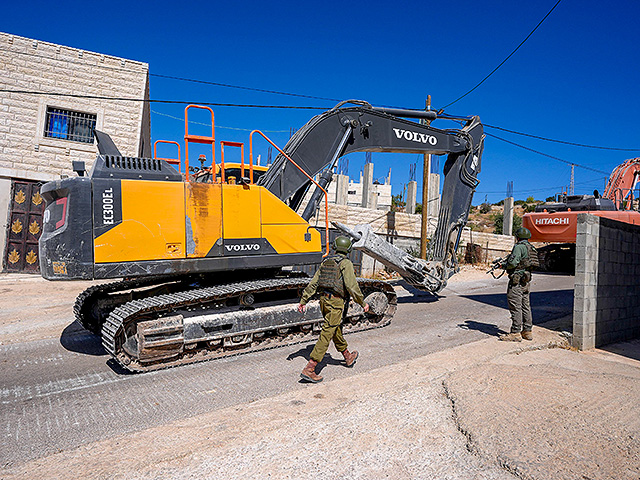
[429,276]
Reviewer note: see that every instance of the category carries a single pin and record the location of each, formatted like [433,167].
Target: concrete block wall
[33,65]
[607,293]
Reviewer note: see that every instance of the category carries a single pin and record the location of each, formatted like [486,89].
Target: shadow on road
[75,338]
[545,305]
[487,328]
[417,296]
[629,349]
[306,352]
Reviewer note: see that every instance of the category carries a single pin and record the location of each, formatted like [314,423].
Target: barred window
[69,125]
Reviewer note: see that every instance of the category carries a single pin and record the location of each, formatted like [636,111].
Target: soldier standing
[335,281]
[518,265]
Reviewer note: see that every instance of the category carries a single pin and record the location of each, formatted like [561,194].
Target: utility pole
[425,192]
[571,185]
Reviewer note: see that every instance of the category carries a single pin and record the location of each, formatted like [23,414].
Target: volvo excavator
[205,265]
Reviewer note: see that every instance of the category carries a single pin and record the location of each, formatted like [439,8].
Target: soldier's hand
[366,307]
[301,308]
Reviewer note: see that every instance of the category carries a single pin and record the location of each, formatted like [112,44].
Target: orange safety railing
[172,161]
[199,139]
[233,144]
[326,197]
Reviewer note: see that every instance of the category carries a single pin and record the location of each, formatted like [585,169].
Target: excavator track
[168,330]
[94,304]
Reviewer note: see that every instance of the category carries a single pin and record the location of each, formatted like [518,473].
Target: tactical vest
[531,261]
[330,279]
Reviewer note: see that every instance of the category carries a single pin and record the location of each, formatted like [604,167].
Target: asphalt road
[59,393]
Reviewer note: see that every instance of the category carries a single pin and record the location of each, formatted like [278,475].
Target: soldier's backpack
[330,279]
[532,262]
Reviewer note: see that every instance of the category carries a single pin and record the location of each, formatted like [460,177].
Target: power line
[217,126]
[562,141]
[547,155]
[179,102]
[546,189]
[505,60]
[98,97]
[254,89]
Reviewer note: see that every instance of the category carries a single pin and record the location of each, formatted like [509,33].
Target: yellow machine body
[181,221]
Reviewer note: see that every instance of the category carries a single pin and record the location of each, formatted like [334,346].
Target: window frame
[70,122]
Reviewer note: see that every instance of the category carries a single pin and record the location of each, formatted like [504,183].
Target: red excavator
[555,223]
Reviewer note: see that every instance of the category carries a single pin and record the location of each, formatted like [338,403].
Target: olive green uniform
[332,307]
[518,289]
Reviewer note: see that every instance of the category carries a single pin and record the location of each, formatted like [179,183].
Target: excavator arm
[622,182]
[342,130]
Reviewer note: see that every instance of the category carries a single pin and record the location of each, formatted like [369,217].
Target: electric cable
[254,89]
[546,154]
[179,102]
[505,60]
[574,144]
[537,190]
[217,125]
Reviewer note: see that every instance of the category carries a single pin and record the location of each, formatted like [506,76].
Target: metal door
[25,227]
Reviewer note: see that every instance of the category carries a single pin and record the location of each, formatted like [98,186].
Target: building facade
[52,97]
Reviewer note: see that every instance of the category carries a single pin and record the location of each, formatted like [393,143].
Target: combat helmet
[523,233]
[342,244]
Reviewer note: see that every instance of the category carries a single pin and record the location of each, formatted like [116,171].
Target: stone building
[48,112]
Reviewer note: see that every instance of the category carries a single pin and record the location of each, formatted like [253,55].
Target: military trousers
[332,309]
[519,307]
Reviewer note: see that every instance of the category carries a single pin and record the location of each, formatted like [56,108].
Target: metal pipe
[402,112]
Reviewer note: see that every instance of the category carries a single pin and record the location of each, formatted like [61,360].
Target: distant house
[45,124]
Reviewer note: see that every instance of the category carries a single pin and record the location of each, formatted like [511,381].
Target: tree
[418,208]
[530,199]
[485,208]
[550,199]
[498,220]
[397,204]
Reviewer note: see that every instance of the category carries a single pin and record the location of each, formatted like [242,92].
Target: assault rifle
[496,265]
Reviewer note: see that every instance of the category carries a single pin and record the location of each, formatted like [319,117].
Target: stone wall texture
[29,65]
[607,293]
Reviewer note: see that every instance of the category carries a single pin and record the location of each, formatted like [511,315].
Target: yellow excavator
[206,260]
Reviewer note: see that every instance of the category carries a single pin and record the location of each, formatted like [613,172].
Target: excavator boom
[342,130]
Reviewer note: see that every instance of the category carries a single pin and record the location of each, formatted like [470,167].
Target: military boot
[309,372]
[527,335]
[350,357]
[510,337]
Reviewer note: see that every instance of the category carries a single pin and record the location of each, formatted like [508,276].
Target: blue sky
[575,79]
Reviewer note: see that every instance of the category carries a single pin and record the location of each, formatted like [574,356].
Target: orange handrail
[326,196]
[233,144]
[199,139]
[172,161]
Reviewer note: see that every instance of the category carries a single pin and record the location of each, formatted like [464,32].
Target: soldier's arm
[350,282]
[310,289]
[516,255]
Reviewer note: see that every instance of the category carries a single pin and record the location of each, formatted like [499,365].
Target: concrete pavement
[484,410]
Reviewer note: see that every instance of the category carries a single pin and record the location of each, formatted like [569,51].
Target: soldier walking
[335,281]
[518,265]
